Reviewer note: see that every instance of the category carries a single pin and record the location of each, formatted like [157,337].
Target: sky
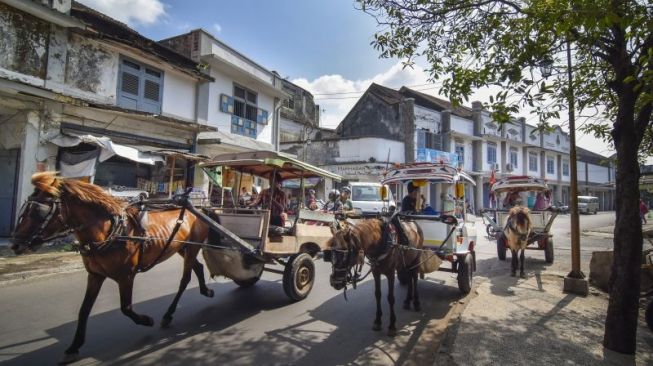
[321,45]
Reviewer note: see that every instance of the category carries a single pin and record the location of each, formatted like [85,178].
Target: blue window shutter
[262,116]
[226,104]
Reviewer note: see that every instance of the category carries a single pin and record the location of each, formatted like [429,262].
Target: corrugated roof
[591,157]
[435,102]
[111,29]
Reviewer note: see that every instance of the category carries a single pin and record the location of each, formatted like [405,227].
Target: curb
[14,269]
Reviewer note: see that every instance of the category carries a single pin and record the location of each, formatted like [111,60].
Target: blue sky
[321,45]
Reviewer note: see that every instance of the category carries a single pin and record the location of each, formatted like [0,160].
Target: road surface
[242,326]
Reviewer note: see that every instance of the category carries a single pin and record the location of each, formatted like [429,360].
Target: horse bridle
[521,235]
[46,210]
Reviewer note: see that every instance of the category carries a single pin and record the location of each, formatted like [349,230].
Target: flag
[493,179]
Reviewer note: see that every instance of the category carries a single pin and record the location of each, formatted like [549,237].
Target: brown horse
[518,229]
[99,221]
[369,238]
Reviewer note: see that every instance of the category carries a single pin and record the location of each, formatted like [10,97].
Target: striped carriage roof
[431,172]
[520,183]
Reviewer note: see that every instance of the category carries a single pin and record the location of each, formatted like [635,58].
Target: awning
[233,142]
[107,147]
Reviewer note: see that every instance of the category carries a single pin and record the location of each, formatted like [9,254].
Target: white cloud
[129,11]
[336,106]
[217,28]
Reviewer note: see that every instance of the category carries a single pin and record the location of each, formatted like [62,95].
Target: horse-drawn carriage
[512,191]
[251,243]
[448,236]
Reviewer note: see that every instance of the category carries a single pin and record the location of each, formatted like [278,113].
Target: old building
[390,126]
[75,82]
[596,177]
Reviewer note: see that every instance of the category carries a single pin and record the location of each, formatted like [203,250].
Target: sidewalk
[514,321]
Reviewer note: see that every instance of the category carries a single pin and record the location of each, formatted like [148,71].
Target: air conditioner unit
[509,167]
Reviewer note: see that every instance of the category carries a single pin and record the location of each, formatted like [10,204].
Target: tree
[470,44]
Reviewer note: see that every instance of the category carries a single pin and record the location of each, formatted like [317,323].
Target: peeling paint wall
[373,117]
[23,42]
[90,67]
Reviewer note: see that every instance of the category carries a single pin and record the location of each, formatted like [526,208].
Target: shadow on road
[238,326]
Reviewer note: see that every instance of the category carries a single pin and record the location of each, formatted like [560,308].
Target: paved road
[253,326]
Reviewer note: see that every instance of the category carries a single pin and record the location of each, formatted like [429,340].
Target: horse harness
[45,210]
[511,227]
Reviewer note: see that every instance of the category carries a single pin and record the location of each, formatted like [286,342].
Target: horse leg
[189,263]
[377,294]
[93,285]
[415,278]
[126,286]
[392,330]
[513,263]
[409,295]
[521,260]
[198,268]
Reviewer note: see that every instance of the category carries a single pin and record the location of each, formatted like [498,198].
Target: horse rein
[52,208]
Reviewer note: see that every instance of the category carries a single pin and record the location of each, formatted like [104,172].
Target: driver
[334,204]
[512,199]
[276,203]
[409,203]
[345,202]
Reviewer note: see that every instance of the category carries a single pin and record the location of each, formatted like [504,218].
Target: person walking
[643,210]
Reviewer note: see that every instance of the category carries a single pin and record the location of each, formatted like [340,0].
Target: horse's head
[344,247]
[40,217]
[520,217]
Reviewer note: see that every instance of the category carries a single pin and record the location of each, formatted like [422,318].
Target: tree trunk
[621,320]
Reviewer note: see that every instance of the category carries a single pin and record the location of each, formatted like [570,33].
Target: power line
[363,91]
[358,96]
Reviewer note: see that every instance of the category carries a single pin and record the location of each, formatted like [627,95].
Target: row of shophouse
[388,126]
[86,95]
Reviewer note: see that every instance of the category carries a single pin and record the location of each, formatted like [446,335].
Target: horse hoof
[522,275]
[392,332]
[417,306]
[513,274]
[69,358]
[406,305]
[147,321]
[208,293]
[165,322]
[376,327]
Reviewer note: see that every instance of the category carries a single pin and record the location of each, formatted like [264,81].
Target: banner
[424,155]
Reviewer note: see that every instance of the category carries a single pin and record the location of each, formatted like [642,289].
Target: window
[513,157]
[565,168]
[243,120]
[491,153]
[460,150]
[428,140]
[532,162]
[550,165]
[289,103]
[140,87]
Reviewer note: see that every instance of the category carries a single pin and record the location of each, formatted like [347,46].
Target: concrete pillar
[445,131]
[57,55]
[478,193]
[477,109]
[407,117]
[438,197]
[29,150]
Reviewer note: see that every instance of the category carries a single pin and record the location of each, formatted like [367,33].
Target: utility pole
[575,281]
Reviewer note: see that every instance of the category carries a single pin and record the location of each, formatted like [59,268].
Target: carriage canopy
[519,184]
[431,172]
[265,163]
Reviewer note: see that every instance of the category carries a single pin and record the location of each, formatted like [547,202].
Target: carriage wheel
[403,276]
[501,247]
[465,273]
[250,281]
[548,250]
[298,276]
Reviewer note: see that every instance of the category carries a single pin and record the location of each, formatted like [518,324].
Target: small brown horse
[518,229]
[60,204]
[370,238]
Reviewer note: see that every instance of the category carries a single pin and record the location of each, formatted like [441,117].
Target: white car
[126,193]
[367,197]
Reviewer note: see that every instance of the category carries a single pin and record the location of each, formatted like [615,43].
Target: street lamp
[575,281]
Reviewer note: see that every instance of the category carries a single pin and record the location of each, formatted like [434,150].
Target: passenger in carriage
[512,199]
[276,204]
[409,203]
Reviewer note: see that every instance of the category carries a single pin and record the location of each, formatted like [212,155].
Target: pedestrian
[643,210]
